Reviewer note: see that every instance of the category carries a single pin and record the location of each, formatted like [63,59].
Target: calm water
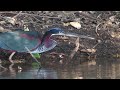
[104,68]
[79,68]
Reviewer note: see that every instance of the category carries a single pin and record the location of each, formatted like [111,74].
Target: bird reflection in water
[46,74]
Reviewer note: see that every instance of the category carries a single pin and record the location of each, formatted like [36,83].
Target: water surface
[103,68]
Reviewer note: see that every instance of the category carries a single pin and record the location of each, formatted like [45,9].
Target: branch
[75,49]
[32,55]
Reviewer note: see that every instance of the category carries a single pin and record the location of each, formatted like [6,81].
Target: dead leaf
[115,34]
[112,18]
[116,55]
[4,30]
[26,28]
[66,24]
[1,29]
[2,22]
[10,20]
[108,23]
[75,24]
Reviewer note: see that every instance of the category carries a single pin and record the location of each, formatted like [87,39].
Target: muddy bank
[102,25]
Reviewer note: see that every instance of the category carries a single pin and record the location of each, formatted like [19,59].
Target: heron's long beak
[75,35]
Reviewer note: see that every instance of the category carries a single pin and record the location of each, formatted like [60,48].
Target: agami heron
[17,41]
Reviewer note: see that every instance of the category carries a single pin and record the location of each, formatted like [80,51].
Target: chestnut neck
[46,37]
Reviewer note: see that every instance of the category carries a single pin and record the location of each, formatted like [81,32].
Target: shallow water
[103,68]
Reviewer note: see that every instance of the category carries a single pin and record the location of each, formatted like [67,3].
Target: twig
[99,41]
[97,28]
[17,14]
[98,15]
[36,19]
[32,55]
[75,49]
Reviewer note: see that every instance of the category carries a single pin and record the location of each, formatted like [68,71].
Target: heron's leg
[10,57]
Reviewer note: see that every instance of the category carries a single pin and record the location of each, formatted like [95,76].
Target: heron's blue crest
[53,31]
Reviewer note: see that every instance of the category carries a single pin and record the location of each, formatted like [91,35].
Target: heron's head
[53,31]
[58,31]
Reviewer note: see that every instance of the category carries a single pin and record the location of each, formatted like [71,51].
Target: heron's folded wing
[17,40]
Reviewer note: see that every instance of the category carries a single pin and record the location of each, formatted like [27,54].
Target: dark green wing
[18,40]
